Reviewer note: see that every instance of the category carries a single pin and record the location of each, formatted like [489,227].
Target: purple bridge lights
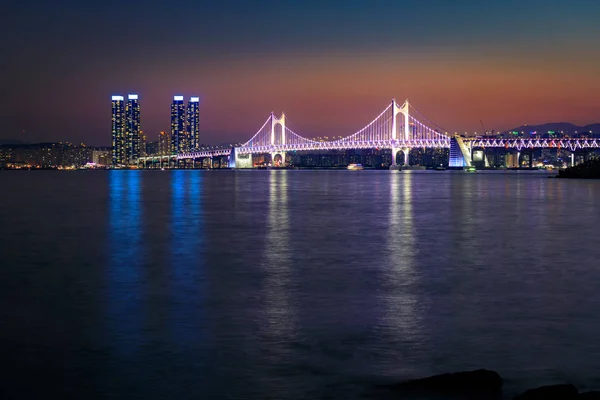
[395,128]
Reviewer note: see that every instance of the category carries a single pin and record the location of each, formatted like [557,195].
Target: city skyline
[128,140]
[329,67]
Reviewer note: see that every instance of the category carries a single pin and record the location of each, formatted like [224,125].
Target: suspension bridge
[395,128]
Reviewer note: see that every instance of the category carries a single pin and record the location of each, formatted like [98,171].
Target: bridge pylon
[281,122]
[405,136]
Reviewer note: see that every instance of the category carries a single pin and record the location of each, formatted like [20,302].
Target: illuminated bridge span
[395,129]
[520,144]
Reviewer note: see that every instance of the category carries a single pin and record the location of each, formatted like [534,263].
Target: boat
[440,168]
[355,167]
[470,169]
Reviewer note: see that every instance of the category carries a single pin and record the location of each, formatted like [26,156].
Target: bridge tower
[281,122]
[405,136]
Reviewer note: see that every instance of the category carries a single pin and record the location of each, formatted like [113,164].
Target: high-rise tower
[143,144]
[132,130]
[164,144]
[193,122]
[179,142]
[118,131]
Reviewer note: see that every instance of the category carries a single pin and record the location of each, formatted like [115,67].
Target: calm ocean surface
[293,284]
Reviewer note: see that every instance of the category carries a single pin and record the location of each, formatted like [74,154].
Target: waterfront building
[101,157]
[179,140]
[118,131]
[193,122]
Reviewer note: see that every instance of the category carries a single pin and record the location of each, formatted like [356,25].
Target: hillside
[10,141]
[592,128]
[587,170]
[566,127]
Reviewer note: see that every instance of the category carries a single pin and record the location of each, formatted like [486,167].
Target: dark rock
[558,392]
[589,395]
[588,170]
[481,381]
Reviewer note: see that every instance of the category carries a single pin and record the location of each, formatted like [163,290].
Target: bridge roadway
[573,145]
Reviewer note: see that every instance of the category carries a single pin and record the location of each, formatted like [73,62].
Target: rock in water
[594,395]
[588,170]
[481,381]
[558,392]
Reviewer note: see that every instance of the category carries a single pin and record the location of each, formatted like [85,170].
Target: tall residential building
[118,131]
[132,132]
[143,144]
[193,122]
[152,148]
[164,144]
[179,142]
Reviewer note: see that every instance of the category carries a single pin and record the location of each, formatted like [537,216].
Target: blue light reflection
[187,258]
[123,286]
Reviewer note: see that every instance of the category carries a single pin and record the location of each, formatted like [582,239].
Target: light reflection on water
[277,327]
[297,284]
[399,279]
[124,272]
[279,313]
[187,241]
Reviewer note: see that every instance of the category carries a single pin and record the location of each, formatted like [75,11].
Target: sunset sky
[331,66]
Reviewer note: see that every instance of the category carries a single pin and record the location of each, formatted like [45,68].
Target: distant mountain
[592,128]
[566,127]
[11,141]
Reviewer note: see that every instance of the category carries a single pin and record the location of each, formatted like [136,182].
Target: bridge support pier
[406,152]
[282,154]
[394,164]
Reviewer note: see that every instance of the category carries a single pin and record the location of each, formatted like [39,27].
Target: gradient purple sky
[331,66]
